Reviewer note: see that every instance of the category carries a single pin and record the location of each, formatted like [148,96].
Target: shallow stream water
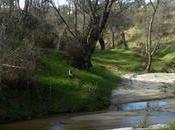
[147,105]
[102,121]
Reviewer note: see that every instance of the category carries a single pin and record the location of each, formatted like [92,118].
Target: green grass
[164,61]
[91,90]
[169,57]
[123,61]
[54,92]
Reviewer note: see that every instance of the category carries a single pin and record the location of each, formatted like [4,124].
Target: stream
[123,115]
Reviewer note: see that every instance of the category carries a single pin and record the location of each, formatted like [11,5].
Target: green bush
[171,126]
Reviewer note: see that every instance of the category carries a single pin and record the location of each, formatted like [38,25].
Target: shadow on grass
[124,60]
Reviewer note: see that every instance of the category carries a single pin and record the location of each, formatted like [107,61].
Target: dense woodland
[67,58]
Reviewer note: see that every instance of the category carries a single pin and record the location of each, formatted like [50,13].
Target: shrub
[19,64]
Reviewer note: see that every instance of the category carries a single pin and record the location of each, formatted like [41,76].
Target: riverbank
[53,92]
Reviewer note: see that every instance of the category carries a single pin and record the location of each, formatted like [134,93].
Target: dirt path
[149,86]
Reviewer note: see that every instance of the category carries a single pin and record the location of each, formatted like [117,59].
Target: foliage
[19,64]
[78,94]
[171,126]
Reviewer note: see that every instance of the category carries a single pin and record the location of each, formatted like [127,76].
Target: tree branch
[91,9]
[12,66]
[64,21]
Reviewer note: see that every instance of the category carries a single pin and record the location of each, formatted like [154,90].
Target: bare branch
[91,9]
[152,5]
[12,66]
[156,48]
[64,21]
[155,6]
[106,12]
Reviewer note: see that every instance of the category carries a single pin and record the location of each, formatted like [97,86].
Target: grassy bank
[90,90]
[53,92]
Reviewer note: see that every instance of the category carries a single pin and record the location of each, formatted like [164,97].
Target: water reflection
[109,120]
[154,105]
[56,126]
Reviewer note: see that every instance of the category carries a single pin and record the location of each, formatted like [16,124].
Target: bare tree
[150,49]
[98,12]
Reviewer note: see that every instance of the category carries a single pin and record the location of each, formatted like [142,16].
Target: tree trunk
[26,6]
[124,43]
[75,15]
[89,49]
[113,39]
[0,69]
[148,63]
[83,61]
[113,30]
[88,42]
[102,42]
[149,49]
[84,23]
